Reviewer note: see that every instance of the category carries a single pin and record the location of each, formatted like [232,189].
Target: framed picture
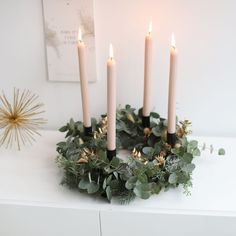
[62,18]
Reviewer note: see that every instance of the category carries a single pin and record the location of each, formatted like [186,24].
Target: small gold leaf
[130,118]
[147,132]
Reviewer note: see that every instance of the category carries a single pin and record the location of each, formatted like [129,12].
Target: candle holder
[171,139]
[147,166]
[111,154]
[146,121]
[88,131]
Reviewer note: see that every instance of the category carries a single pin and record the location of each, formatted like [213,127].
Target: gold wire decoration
[19,120]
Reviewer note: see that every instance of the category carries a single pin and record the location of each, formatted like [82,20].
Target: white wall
[205,36]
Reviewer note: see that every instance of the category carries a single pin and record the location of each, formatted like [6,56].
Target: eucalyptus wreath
[149,166]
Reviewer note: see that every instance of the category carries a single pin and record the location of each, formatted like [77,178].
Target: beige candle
[83,81]
[111,101]
[147,72]
[172,88]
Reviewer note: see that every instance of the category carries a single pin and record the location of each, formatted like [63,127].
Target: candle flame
[111,52]
[173,40]
[79,35]
[150,27]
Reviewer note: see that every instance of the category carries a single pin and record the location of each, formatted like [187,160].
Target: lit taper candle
[171,131]
[84,85]
[111,105]
[147,78]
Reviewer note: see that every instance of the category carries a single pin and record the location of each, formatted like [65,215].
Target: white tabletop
[31,177]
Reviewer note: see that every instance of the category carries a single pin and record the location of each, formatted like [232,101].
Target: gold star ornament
[19,118]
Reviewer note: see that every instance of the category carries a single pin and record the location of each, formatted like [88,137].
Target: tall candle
[111,102]
[172,88]
[147,72]
[83,81]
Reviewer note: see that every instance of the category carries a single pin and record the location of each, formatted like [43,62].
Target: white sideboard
[33,203]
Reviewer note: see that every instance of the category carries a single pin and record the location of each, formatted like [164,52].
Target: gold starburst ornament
[19,119]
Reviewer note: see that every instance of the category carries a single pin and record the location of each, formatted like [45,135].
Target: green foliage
[221,151]
[153,165]
[143,191]
[173,178]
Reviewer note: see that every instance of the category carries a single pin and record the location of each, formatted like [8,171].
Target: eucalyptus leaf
[63,129]
[72,124]
[127,107]
[165,123]
[108,193]
[143,191]
[115,162]
[84,183]
[156,188]
[148,151]
[142,194]
[157,131]
[211,149]
[142,178]
[188,157]
[130,183]
[79,126]
[116,175]
[182,177]
[61,144]
[104,183]
[175,151]
[221,152]
[193,144]
[115,184]
[154,115]
[157,147]
[184,142]
[188,168]
[109,179]
[92,187]
[94,122]
[102,155]
[196,152]
[173,178]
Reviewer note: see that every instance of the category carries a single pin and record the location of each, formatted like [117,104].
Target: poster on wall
[62,18]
